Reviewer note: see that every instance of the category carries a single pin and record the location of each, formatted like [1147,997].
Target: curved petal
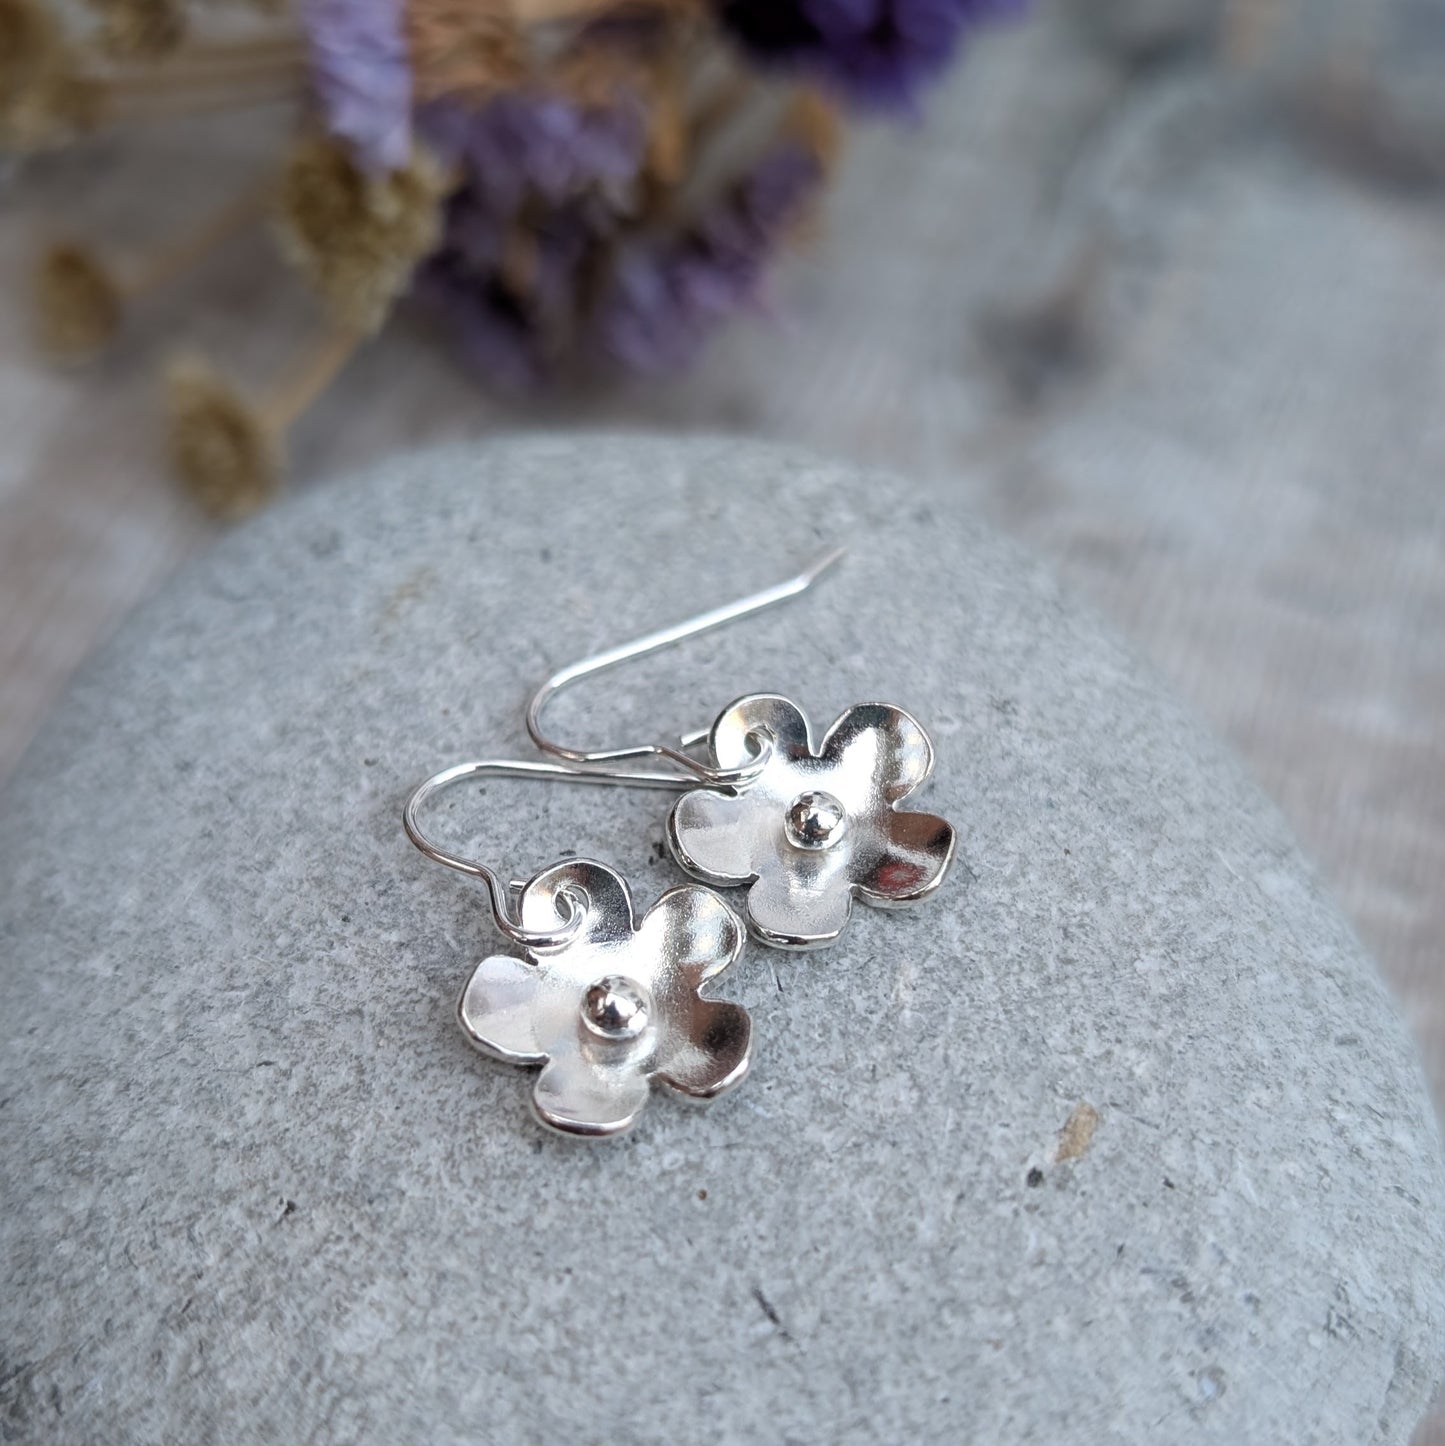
[497,1009]
[608,915]
[577,1096]
[878,751]
[912,864]
[769,714]
[789,912]
[694,932]
[709,835]
[712,1050]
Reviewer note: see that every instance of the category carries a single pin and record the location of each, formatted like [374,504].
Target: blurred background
[1155,284]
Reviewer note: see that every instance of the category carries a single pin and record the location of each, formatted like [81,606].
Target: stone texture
[1119,1138]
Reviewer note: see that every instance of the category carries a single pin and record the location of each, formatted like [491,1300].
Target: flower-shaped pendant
[617,1004]
[818,825]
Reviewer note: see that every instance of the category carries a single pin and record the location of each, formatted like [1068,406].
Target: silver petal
[576,1095]
[912,865]
[791,910]
[694,931]
[768,714]
[712,1053]
[879,750]
[711,836]
[498,1009]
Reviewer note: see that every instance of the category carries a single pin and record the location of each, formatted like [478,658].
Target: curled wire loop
[508,921]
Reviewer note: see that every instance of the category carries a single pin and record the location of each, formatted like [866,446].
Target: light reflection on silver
[616,1008]
[816,820]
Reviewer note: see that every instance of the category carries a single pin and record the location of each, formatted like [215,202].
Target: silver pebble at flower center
[816,820]
[616,1008]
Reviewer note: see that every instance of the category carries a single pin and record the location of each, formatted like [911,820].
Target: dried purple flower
[878,52]
[668,296]
[544,174]
[360,76]
[493,331]
[539,143]
[514,330]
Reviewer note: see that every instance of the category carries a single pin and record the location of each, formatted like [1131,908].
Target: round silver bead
[615,1008]
[815,820]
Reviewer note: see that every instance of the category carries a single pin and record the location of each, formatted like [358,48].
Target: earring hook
[651,643]
[499,894]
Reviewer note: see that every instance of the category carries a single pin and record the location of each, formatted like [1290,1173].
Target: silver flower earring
[810,826]
[603,1002]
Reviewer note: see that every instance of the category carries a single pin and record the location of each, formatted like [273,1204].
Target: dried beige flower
[141,29]
[43,99]
[30,43]
[81,297]
[357,238]
[79,304]
[52,112]
[222,446]
[228,449]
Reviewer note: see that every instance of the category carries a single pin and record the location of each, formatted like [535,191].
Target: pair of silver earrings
[607,1003]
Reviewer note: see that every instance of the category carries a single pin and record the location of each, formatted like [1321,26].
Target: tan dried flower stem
[816,123]
[206,77]
[547,12]
[667,132]
[189,247]
[203,78]
[463,49]
[228,450]
[205,57]
[303,382]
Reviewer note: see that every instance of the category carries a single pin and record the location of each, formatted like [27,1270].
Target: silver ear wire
[650,643]
[507,921]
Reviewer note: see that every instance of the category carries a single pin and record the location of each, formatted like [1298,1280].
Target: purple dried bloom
[494,333]
[538,143]
[513,339]
[552,169]
[878,52]
[360,75]
[667,298]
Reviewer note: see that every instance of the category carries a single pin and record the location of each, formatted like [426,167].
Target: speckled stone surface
[1116,1139]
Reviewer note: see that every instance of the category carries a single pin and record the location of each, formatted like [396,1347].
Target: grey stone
[1116,1139]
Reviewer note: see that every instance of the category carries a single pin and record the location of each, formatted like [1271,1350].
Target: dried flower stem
[183,251]
[545,12]
[202,78]
[303,382]
[208,59]
[240,92]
